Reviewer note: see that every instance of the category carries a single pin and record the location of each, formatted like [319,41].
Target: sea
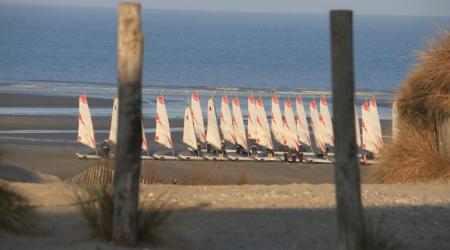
[68,51]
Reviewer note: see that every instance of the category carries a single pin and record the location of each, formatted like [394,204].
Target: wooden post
[128,164]
[394,120]
[350,218]
[443,136]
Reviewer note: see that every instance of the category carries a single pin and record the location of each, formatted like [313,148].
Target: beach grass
[378,236]
[97,205]
[423,104]
[16,214]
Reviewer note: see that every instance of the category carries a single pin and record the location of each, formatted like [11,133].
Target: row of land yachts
[254,140]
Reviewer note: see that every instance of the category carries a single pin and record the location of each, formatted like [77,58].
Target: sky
[377,7]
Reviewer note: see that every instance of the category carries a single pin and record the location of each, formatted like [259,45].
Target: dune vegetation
[423,103]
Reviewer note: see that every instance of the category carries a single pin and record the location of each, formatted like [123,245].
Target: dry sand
[298,216]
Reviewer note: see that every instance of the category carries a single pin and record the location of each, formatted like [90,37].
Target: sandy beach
[297,216]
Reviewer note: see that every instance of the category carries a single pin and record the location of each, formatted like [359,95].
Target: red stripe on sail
[373,102]
[313,104]
[195,97]
[83,99]
[225,99]
[160,99]
[366,106]
[251,99]
[299,100]
[275,99]
[236,102]
[288,103]
[323,100]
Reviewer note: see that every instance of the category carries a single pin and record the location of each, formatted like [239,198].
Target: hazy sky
[384,7]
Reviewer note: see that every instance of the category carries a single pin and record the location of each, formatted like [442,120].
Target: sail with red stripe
[277,122]
[369,139]
[114,122]
[290,126]
[251,119]
[226,121]
[212,134]
[325,119]
[197,117]
[162,134]
[301,122]
[238,123]
[85,127]
[188,129]
[316,126]
[375,119]
[263,136]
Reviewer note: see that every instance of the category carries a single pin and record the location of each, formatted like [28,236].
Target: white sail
[212,134]
[144,144]
[114,126]
[290,128]
[226,121]
[238,123]
[162,134]
[302,124]
[328,135]
[85,127]
[277,122]
[263,137]
[375,118]
[357,130]
[369,141]
[251,119]
[114,121]
[188,129]
[197,116]
[316,126]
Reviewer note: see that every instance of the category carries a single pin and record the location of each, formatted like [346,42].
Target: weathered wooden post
[350,218]
[394,120]
[128,163]
[442,123]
